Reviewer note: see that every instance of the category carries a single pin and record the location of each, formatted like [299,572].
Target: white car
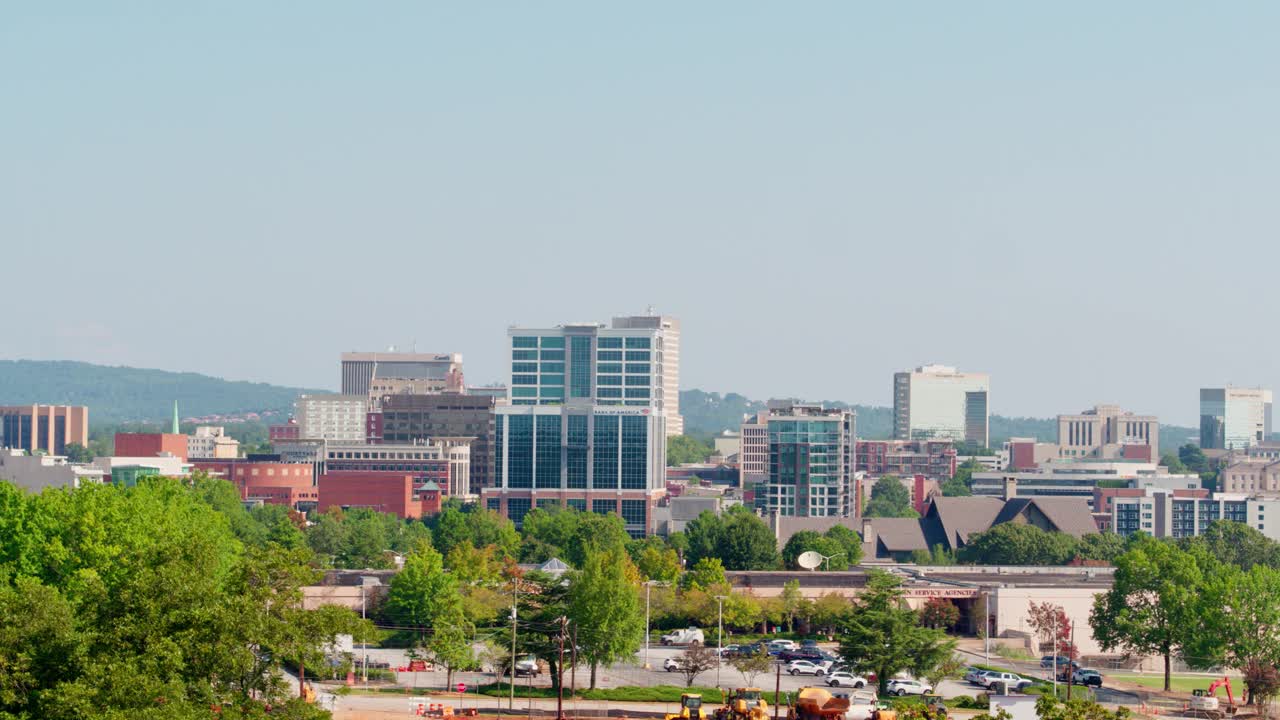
[908,687]
[783,645]
[671,665]
[846,679]
[804,667]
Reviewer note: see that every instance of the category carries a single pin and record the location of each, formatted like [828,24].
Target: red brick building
[274,482]
[150,445]
[388,492]
[284,432]
[934,459]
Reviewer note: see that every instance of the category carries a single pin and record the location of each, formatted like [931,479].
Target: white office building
[212,441]
[336,418]
[936,402]
[1234,418]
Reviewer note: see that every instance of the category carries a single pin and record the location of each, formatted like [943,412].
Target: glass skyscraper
[811,461]
[1234,418]
[936,402]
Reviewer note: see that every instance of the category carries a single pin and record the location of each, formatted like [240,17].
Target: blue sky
[1078,199]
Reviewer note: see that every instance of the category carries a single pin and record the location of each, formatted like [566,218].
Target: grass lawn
[1179,683]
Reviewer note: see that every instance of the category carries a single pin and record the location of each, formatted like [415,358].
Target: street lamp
[648,586]
[719,634]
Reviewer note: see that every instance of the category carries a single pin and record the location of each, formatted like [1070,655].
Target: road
[1107,695]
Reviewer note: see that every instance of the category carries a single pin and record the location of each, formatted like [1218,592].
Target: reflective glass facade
[939,403]
[586,363]
[811,453]
[1234,418]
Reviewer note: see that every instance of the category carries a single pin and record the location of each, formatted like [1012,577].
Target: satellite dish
[809,560]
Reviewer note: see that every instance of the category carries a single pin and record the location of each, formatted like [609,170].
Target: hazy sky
[1081,200]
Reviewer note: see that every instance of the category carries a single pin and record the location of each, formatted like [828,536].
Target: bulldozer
[744,704]
[690,708]
[815,703]
[1205,703]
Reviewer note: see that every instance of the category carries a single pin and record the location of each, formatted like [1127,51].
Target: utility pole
[777,689]
[719,635]
[564,625]
[1071,678]
[986,624]
[573,658]
[515,599]
[1055,664]
[364,645]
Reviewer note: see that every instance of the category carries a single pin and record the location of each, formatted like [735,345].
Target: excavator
[744,704]
[1205,703]
[690,708]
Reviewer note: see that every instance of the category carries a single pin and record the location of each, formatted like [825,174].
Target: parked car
[901,687]
[1087,677]
[971,674]
[1013,681]
[811,655]
[527,666]
[781,645]
[809,644]
[846,679]
[671,665]
[687,636]
[733,651]
[804,667]
[1047,663]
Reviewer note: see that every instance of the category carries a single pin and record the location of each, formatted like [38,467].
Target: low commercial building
[278,483]
[1256,475]
[43,427]
[399,494]
[446,466]
[37,472]
[1078,478]
[126,470]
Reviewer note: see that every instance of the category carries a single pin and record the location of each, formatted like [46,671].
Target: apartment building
[933,459]
[1233,418]
[753,451]
[1162,513]
[937,402]
[811,462]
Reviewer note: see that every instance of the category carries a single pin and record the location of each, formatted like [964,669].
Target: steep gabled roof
[950,521]
[1068,515]
[900,534]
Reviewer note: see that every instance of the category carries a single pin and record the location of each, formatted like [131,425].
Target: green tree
[1018,544]
[450,641]
[1238,616]
[605,606]
[810,541]
[420,591]
[658,563]
[890,499]
[1235,543]
[792,602]
[702,535]
[1193,458]
[571,534]
[1151,606]
[1103,546]
[955,487]
[78,453]
[683,449]
[476,525]
[752,665]
[746,542]
[850,543]
[1171,461]
[705,573]
[883,636]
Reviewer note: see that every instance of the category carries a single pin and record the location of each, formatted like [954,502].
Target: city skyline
[1022,191]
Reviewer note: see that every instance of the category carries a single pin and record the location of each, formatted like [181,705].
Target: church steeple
[175,418]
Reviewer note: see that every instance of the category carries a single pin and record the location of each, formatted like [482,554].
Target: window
[609,380]
[609,342]
[637,342]
[553,393]
[557,355]
[608,368]
[524,354]
[517,508]
[609,356]
[609,392]
[638,368]
[553,341]
[603,507]
[524,379]
[548,467]
[520,451]
[633,380]
[524,341]
[638,392]
[637,356]
[635,444]
[551,367]
[576,504]
[552,379]
[633,512]
[524,367]
[576,452]
[524,392]
[494,504]
[604,465]
[580,367]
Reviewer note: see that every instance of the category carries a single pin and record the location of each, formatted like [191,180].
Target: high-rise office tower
[939,402]
[634,363]
[1234,418]
[811,462]
[374,375]
[44,427]
[667,360]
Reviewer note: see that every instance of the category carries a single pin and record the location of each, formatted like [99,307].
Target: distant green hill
[124,394]
[708,413]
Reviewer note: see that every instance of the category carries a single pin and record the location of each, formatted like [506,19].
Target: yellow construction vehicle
[690,708]
[744,704]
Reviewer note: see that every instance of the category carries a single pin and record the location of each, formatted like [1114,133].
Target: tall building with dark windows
[604,459]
